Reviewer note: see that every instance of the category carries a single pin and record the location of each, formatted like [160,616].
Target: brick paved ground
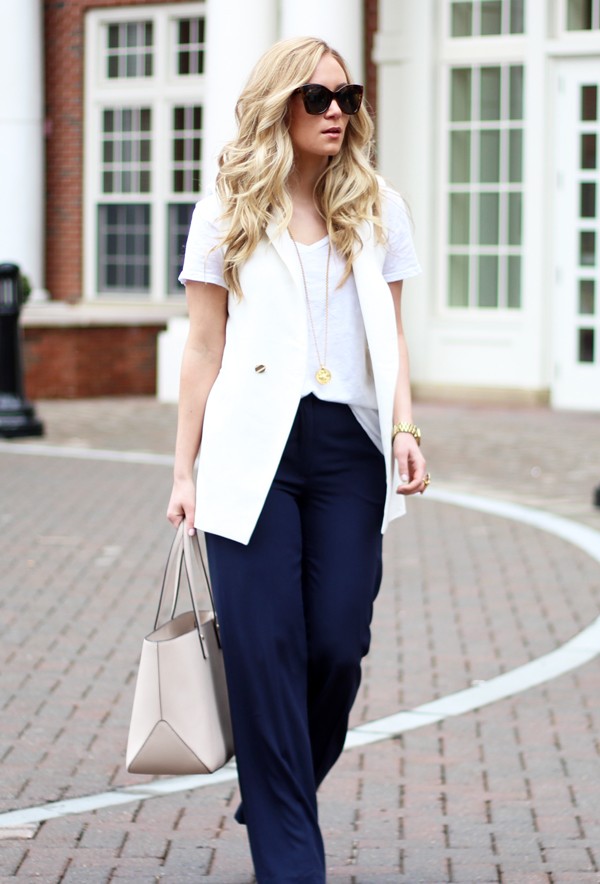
[508,793]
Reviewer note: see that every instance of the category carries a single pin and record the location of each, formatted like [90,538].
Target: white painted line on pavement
[115,797]
[141,457]
[579,650]
[585,646]
[579,535]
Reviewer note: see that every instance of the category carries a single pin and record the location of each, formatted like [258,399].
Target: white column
[338,22]
[22,138]
[238,32]
[407,133]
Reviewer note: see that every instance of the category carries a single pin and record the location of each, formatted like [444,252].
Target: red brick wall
[371,10]
[64,63]
[73,363]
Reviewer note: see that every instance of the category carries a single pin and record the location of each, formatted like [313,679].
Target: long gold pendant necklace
[323,375]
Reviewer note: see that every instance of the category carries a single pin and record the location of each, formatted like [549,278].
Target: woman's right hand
[182,504]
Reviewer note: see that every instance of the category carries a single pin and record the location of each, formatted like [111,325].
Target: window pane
[587,202]
[589,103]
[514,219]
[517,19]
[515,156]
[461,95]
[123,248]
[126,156]
[462,19]
[487,212]
[131,31]
[489,159]
[179,217]
[513,295]
[587,248]
[516,92]
[178,151]
[588,152]
[460,157]
[488,281]
[491,17]
[586,346]
[489,221]
[458,295]
[179,118]
[587,297]
[459,219]
[184,31]
[184,63]
[579,15]
[112,69]
[490,93]
[186,149]
[112,36]
[190,47]
[129,49]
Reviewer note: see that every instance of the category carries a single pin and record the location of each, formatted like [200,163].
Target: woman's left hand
[412,466]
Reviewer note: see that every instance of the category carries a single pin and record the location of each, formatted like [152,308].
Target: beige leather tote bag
[180,720]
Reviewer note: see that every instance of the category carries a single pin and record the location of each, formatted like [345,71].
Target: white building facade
[488,121]
[489,124]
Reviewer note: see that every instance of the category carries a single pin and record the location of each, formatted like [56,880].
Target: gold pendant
[323,375]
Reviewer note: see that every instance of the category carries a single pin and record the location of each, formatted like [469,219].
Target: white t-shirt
[347,355]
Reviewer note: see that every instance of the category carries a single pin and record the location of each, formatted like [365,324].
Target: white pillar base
[170,350]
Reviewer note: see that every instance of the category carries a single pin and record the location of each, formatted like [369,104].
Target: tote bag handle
[186,553]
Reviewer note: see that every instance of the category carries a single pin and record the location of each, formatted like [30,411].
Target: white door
[576,342]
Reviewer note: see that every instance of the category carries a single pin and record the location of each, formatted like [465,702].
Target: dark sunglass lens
[316,99]
[349,99]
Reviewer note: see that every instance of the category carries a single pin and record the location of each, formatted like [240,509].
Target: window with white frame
[144,123]
[486,18]
[582,15]
[485,186]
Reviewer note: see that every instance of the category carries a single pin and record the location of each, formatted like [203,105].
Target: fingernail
[191,531]
[403,478]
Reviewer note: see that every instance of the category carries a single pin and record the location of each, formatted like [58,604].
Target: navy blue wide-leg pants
[295,608]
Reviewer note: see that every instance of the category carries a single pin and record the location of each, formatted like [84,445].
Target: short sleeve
[401,260]
[203,261]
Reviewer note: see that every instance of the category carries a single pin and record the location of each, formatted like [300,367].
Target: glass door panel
[577,225]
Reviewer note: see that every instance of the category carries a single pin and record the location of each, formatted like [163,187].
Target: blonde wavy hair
[254,168]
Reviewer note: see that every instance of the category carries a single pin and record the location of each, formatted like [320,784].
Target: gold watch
[406,428]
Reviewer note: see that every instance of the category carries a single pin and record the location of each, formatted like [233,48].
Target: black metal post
[597,496]
[17,416]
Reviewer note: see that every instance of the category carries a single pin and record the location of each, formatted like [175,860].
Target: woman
[294,381]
